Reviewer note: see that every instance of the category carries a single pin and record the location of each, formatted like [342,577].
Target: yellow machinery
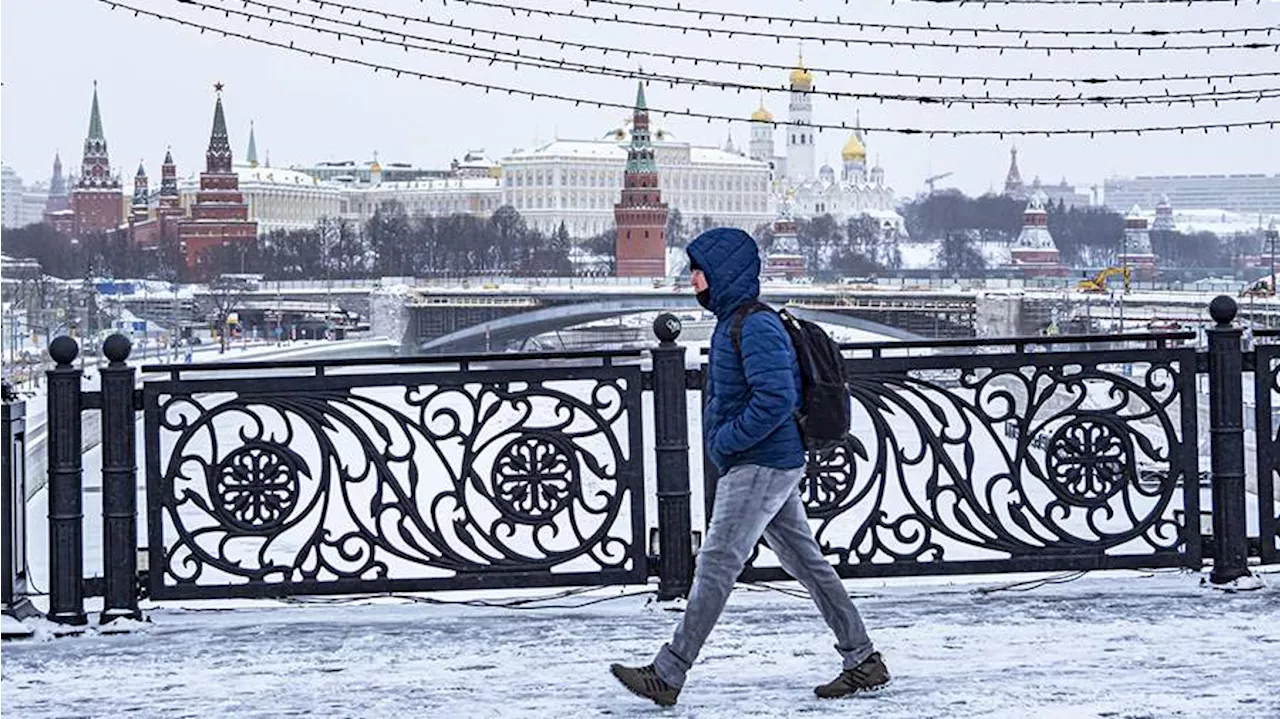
[1261,288]
[1099,281]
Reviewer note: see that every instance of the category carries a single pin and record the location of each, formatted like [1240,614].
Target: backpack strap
[740,317]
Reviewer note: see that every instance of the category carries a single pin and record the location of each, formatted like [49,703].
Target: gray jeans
[750,501]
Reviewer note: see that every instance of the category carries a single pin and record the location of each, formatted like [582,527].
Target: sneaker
[645,682]
[870,675]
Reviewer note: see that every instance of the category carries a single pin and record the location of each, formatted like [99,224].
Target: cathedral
[810,192]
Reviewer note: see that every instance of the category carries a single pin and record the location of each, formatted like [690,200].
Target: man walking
[749,431]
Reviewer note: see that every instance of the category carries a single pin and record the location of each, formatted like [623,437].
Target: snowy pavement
[1123,644]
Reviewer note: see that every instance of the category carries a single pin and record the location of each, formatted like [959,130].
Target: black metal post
[119,484]
[1226,438]
[13,497]
[62,427]
[671,444]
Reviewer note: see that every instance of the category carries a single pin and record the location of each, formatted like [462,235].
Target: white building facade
[10,197]
[479,196]
[279,198]
[577,182]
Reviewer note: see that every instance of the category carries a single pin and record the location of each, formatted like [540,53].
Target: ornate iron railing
[1267,450]
[432,478]
[528,470]
[1071,460]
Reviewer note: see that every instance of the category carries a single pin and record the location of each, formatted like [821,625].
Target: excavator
[1099,281]
[1261,288]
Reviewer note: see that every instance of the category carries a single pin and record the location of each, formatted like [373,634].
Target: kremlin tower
[784,260]
[149,231]
[96,202]
[1013,186]
[170,200]
[58,200]
[1034,252]
[1137,254]
[641,215]
[139,211]
[219,215]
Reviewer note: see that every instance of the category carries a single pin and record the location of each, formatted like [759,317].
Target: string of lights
[516,59]
[527,11]
[1118,3]
[534,95]
[919,78]
[840,21]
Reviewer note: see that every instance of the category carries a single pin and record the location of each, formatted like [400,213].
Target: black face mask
[704,298]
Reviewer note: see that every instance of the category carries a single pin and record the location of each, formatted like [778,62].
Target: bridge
[492,313]
[292,477]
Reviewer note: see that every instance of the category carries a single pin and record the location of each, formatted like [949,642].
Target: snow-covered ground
[1128,644]
[1112,644]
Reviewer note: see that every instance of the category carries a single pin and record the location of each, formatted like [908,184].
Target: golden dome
[854,149]
[801,78]
[761,114]
[375,167]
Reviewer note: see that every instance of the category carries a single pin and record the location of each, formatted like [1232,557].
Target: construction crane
[930,180]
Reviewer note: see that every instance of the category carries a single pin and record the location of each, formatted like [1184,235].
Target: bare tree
[226,295]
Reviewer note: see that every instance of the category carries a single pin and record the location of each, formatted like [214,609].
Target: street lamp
[1272,234]
[1124,266]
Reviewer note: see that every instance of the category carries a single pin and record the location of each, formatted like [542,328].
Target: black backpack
[823,416]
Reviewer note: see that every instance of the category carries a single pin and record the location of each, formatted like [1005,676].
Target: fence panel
[1012,462]
[1267,449]
[400,481]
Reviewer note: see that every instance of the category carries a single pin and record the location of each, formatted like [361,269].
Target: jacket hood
[731,261]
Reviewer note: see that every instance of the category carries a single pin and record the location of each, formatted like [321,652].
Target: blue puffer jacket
[752,397]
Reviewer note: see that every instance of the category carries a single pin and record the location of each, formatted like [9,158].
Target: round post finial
[1223,310]
[667,327]
[117,348]
[64,351]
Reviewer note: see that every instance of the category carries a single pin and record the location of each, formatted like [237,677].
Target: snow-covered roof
[611,150]
[717,156]
[275,176]
[452,183]
[593,149]
[1221,222]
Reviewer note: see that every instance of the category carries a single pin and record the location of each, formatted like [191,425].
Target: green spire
[95,119]
[640,103]
[218,157]
[251,156]
[219,122]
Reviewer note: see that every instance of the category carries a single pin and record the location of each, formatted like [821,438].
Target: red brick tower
[170,201]
[641,216]
[219,215]
[140,210]
[97,202]
[1035,253]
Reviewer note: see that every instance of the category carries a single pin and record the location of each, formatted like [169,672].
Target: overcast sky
[155,83]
